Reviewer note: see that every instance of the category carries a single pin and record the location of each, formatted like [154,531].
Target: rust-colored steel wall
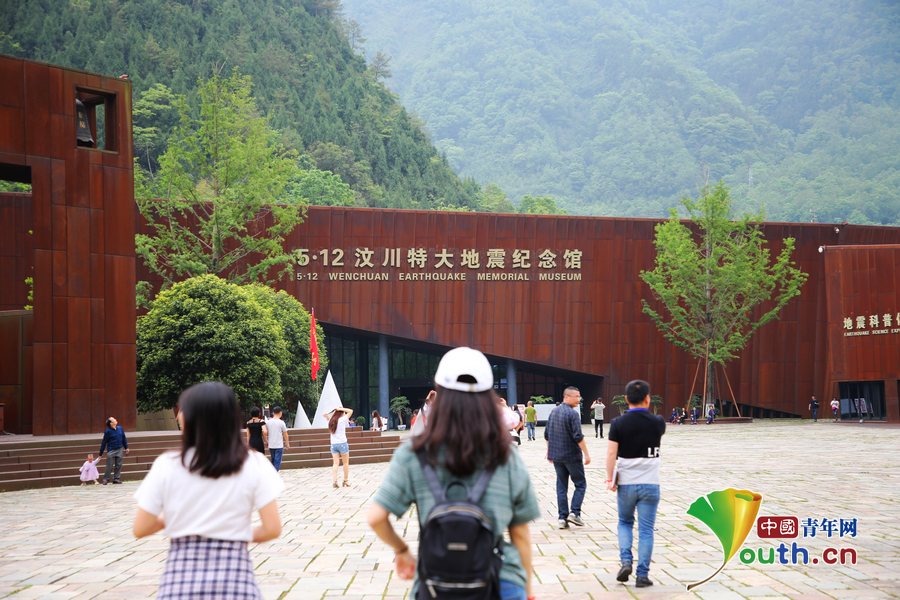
[82,211]
[594,325]
[862,286]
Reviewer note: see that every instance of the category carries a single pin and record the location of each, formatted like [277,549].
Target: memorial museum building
[552,300]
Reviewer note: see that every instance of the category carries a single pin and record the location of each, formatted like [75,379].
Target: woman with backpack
[204,496]
[468,486]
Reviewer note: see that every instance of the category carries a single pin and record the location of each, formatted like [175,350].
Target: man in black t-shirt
[814,407]
[633,455]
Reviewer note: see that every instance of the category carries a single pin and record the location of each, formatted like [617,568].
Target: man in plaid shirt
[565,445]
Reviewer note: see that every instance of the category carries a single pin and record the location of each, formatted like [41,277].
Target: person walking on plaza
[814,407]
[835,407]
[530,420]
[465,440]
[257,432]
[633,456]
[204,497]
[565,449]
[277,437]
[116,443]
[340,449]
[598,407]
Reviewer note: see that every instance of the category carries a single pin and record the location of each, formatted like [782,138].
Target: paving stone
[76,543]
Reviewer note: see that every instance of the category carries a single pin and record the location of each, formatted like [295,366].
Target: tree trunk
[710,384]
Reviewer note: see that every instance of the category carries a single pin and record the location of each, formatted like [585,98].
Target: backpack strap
[481,486]
[431,477]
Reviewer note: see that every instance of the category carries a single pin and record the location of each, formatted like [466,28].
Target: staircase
[53,461]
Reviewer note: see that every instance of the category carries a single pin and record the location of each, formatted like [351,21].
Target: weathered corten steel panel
[82,214]
[592,325]
[862,283]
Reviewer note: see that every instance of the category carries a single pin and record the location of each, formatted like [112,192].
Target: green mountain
[315,90]
[619,107]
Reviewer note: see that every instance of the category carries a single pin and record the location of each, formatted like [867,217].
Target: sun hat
[461,362]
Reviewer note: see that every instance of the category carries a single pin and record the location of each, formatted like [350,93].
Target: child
[89,470]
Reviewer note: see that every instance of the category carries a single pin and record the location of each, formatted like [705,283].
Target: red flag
[314,346]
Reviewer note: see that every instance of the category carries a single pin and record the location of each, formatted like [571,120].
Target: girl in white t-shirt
[208,492]
[379,423]
[340,449]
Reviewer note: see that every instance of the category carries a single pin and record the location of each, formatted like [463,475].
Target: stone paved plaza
[76,542]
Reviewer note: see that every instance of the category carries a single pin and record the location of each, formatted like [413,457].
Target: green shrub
[542,399]
[296,375]
[207,329]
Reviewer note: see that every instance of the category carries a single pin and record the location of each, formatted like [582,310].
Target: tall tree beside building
[213,202]
[710,279]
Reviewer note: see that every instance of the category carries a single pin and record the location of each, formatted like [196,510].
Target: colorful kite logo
[730,514]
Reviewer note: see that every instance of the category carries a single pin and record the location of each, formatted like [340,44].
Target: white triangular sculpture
[301,421]
[328,401]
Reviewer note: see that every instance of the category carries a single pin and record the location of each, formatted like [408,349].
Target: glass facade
[353,360]
[859,400]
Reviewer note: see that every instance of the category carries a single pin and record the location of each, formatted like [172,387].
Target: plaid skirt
[199,567]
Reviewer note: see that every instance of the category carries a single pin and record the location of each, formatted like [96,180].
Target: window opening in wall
[16,297]
[95,120]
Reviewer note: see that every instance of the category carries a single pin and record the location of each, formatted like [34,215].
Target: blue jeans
[276,454]
[816,414]
[530,428]
[511,591]
[644,497]
[563,471]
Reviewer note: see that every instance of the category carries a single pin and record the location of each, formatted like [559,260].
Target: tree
[710,284]
[380,65]
[151,110]
[492,199]
[541,205]
[212,203]
[322,188]
[207,329]
[293,319]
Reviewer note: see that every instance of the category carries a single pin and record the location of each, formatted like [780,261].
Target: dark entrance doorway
[862,400]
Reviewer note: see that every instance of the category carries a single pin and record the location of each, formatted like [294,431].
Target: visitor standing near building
[632,471]
[465,441]
[598,408]
[814,407]
[257,432]
[568,452]
[835,407]
[340,448]
[115,442]
[277,438]
[530,420]
[204,497]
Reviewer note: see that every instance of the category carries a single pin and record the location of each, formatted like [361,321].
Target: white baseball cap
[465,361]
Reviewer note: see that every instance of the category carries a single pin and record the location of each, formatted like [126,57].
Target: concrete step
[52,462]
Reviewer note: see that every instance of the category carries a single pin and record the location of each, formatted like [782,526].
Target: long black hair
[212,427]
[468,426]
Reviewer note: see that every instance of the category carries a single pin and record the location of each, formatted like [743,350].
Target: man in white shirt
[278,438]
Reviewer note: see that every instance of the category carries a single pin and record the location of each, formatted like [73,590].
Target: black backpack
[458,559]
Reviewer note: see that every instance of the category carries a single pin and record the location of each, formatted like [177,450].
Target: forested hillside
[614,107]
[316,91]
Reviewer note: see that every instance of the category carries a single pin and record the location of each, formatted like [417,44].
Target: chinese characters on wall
[420,264]
[863,325]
